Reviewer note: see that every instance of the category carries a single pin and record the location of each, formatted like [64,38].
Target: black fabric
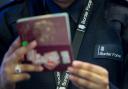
[125,82]
[118,17]
[99,32]
[120,2]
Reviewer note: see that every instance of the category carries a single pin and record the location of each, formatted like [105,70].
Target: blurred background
[2,2]
[123,2]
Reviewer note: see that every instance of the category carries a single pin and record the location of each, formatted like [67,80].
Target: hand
[13,57]
[88,76]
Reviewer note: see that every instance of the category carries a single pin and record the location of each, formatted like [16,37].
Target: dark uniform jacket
[101,44]
[118,14]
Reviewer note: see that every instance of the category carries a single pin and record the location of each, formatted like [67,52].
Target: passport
[52,34]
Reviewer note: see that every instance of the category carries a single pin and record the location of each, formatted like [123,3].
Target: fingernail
[71,77]
[76,63]
[34,43]
[41,68]
[70,69]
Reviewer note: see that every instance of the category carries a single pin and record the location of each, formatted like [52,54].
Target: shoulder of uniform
[11,3]
[121,2]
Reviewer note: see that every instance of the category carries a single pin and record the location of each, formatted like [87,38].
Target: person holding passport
[97,65]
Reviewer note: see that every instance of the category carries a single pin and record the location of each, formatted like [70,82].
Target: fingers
[30,68]
[93,77]
[12,76]
[88,75]
[19,77]
[13,57]
[10,69]
[20,52]
[90,67]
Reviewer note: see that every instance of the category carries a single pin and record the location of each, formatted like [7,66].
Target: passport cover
[52,33]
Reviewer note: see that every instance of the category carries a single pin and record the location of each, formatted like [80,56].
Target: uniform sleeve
[4,35]
[117,17]
[8,31]
[125,81]
[124,34]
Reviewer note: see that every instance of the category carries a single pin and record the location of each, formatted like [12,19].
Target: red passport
[52,33]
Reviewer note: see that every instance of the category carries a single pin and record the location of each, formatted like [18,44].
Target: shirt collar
[74,10]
